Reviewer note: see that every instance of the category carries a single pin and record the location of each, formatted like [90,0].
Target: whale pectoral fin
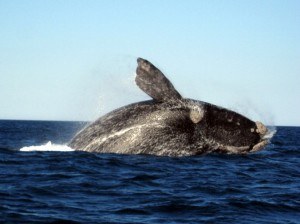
[153,82]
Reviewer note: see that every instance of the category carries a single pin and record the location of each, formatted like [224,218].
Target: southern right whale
[169,125]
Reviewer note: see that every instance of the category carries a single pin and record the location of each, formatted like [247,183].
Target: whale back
[147,127]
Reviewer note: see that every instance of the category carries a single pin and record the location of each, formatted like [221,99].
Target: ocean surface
[44,181]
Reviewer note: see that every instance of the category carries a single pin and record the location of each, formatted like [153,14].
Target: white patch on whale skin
[196,115]
[196,107]
[136,130]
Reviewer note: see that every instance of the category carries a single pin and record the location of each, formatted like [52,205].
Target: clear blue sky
[75,60]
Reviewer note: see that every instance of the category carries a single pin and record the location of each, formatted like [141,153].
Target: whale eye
[196,115]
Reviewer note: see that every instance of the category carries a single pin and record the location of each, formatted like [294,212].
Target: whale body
[169,125]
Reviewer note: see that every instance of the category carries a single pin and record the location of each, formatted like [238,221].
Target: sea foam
[48,147]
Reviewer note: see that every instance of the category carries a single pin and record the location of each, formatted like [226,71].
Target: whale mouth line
[264,140]
[233,149]
[243,149]
[259,145]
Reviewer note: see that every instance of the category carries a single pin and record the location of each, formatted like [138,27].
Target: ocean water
[48,182]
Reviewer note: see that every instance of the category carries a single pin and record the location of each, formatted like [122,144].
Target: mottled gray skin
[169,125]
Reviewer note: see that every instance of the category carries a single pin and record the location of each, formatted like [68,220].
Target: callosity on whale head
[170,125]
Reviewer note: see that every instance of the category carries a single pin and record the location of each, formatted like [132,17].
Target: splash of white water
[271,132]
[48,147]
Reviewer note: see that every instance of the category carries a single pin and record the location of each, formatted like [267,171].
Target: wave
[47,147]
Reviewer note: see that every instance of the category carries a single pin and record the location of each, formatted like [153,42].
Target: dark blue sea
[47,182]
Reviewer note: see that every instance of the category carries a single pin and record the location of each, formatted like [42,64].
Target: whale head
[227,131]
[211,127]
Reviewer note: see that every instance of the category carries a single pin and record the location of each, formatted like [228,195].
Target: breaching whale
[169,125]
